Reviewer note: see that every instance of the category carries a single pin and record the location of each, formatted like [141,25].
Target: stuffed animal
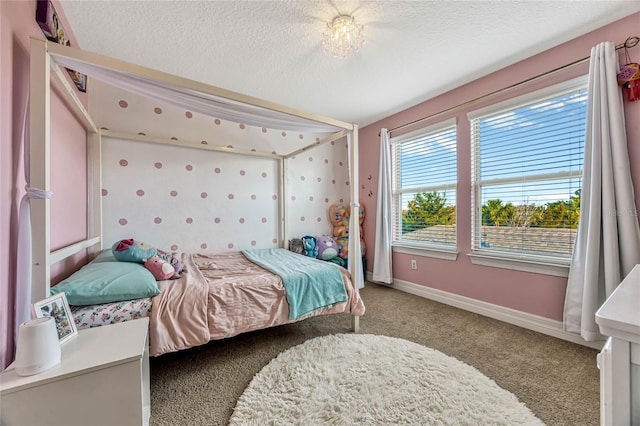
[159,268]
[327,248]
[296,245]
[168,257]
[131,250]
[343,246]
[339,218]
[310,246]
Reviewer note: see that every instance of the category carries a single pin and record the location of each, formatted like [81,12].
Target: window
[527,159]
[424,187]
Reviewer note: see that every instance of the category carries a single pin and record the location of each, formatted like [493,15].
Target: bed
[218,295]
[227,290]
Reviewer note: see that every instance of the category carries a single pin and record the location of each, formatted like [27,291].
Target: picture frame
[58,308]
[52,28]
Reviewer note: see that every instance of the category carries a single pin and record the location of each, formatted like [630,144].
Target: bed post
[355,258]
[355,323]
[94,196]
[282,206]
[39,129]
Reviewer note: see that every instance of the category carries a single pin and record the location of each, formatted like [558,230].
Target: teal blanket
[310,284]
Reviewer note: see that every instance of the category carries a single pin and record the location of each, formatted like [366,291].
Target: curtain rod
[629,43]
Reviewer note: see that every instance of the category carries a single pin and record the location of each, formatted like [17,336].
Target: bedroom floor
[557,380]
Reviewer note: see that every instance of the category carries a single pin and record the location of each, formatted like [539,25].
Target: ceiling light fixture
[343,37]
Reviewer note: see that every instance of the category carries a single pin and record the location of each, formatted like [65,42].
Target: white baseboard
[521,319]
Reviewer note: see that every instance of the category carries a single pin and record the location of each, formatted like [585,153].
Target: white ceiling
[414,50]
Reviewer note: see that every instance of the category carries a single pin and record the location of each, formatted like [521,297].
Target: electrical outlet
[414,264]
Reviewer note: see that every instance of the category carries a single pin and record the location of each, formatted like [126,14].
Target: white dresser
[619,361]
[102,379]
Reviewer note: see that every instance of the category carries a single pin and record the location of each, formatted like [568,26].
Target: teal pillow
[105,282]
[105,256]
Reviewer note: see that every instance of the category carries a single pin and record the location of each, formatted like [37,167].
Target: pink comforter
[222,295]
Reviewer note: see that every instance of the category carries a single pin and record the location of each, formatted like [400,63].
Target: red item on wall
[629,75]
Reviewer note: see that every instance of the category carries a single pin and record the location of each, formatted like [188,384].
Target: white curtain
[23,269]
[608,241]
[382,266]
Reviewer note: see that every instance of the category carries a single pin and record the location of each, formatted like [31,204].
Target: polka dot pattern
[190,193]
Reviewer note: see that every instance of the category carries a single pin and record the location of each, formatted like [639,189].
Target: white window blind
[527,160]
[424,186]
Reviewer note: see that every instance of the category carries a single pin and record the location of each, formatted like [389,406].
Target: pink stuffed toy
[160,268]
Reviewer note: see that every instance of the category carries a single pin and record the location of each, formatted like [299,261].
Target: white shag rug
[348,379]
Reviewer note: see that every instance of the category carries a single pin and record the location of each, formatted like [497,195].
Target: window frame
[421,248]
[549,265]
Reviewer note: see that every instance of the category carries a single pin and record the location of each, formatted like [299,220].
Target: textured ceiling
[414,50]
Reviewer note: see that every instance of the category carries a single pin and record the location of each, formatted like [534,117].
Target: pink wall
[533,293]
[17,24]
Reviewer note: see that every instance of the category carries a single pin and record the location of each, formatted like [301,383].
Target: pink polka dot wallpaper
[189,207]
[203,200]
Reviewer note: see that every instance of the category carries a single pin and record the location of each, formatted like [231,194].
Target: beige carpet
[557,380]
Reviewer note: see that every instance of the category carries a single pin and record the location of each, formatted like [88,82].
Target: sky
[530,155]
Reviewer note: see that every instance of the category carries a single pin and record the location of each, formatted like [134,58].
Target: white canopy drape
[23,268]
[197,101]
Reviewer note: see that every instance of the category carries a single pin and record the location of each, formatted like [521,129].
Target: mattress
[110,313]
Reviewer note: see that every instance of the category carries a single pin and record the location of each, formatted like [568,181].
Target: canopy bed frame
[49,58]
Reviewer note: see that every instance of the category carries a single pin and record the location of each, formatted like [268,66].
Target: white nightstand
[102,379]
